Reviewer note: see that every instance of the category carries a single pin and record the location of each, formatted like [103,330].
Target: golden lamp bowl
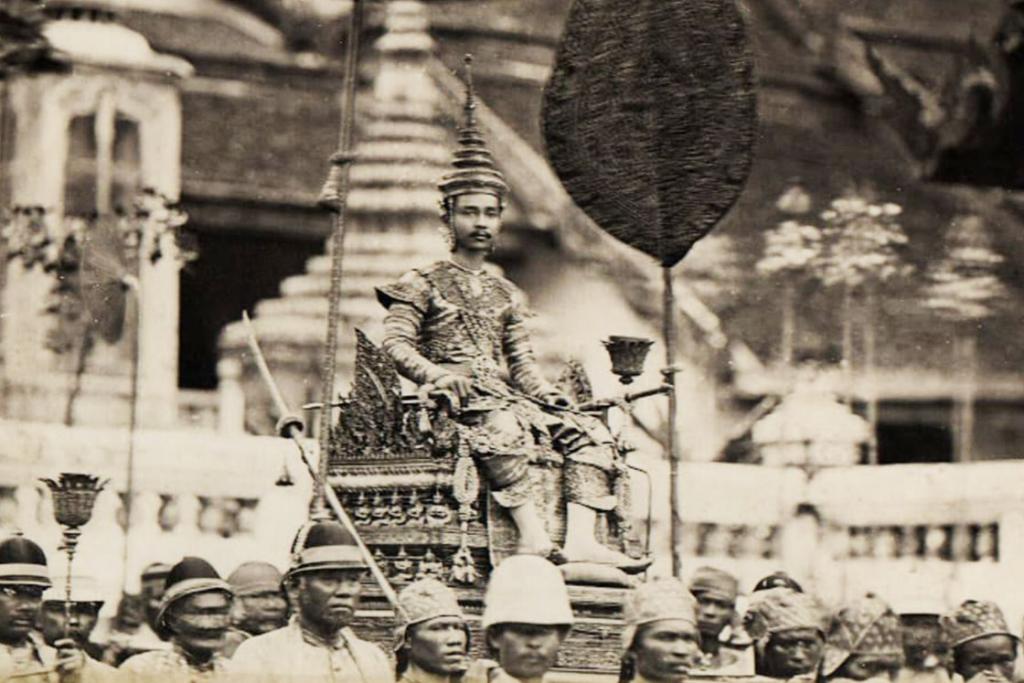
[74,496]
[627,355]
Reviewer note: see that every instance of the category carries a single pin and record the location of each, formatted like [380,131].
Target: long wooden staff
[290,426]
[333,197]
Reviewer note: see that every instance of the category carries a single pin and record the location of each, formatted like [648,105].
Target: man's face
[327,599]
[665,650]
[526,651]
[868,667]
[52,618]
[994,654]
[714,613]
[151,591]
[439,646]
[262,612]
[793,652]
[476,222]
[198,622]
[19,606]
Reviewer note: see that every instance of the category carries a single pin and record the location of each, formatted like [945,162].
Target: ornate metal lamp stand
[74,496]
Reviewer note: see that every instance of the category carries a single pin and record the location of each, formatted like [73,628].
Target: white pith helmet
[527,589]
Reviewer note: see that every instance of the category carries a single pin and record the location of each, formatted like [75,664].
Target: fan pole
[132,285]
[669,334]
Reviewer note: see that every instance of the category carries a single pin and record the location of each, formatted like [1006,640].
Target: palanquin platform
[412,489]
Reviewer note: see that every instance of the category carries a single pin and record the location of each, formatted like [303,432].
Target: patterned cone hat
[23,563]
[865,627]
[424,600]
[665,598]
[775,610]
[325,545]
[975,619]
[474,169]
[190,576]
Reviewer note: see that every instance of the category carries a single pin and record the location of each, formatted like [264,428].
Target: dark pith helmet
[325,545]
[23,562]
[156,570]
[190,576]
[778,580]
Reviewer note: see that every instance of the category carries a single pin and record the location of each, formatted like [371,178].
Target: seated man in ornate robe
[457,327]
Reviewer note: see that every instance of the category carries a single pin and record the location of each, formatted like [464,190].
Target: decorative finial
[470,107]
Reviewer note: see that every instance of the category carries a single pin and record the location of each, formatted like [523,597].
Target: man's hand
[70,660]
[457,385]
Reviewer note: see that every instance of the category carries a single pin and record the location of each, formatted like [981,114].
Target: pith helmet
[325,545]
[190,576]
[23,562]
[83,589]
[255,577]
[527,589]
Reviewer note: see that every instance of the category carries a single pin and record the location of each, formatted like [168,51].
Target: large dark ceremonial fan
[649,119]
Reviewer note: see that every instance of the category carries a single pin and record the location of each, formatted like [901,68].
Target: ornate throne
[404,471]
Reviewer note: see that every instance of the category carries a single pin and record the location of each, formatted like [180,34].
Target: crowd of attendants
[188,624]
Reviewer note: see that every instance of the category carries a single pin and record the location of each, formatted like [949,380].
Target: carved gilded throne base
[418,502]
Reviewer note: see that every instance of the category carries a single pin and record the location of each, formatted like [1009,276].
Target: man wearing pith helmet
[86,602]
[527,616]
[432,637]
[323,587]
[660,639]
[194,616]
[23,654]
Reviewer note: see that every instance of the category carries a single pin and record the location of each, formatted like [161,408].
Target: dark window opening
[80,167]
[232,274]
[915,433]
[126,171]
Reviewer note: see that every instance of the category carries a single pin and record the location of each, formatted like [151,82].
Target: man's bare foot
[600,554]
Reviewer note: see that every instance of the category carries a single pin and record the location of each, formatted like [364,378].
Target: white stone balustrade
[945,531]
[196,493]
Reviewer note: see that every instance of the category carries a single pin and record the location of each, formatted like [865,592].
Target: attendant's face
[262,612]
[870,667]
[439,645]
[198,622]
[52,619]
[327,599]
[714,613]
[152,590]
[476,222]
[19,606]
[994,654]
[665,650]
[793,652]
[526,651]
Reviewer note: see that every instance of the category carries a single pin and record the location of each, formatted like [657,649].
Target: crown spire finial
[470,107]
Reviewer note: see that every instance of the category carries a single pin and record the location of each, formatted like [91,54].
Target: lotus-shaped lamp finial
[74,496]
[628,355]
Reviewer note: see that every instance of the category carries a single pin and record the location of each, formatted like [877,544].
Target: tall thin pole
[870,370]
[133,418]
[669,336]
[333,196]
